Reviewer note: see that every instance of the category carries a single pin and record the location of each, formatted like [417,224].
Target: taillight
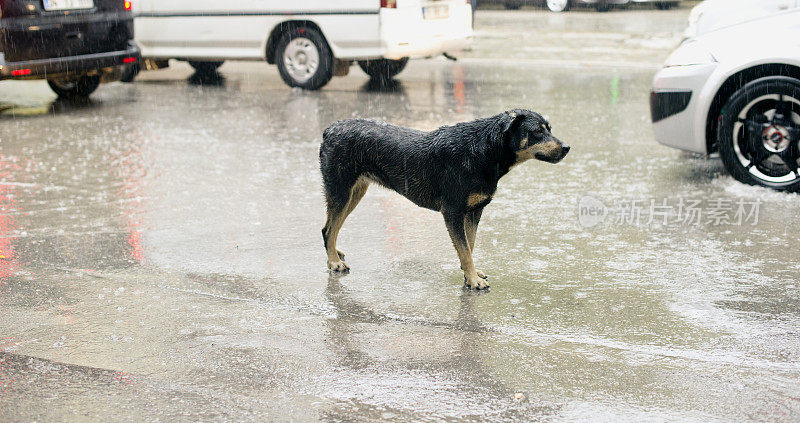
[20,72]
[392,4]
[128,5]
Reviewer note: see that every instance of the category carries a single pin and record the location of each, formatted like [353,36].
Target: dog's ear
[511,121]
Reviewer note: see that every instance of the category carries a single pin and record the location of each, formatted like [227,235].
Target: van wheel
[206,68]
[81,87]
[304,59]
[383,70]
[759,134]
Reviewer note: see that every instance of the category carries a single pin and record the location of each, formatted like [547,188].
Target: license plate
[68,4]
[435,12]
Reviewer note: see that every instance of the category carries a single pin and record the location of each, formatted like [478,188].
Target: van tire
[383,70]
[304,42]
[81,87]
[206,68]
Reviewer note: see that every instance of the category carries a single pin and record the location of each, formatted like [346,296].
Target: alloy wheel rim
[557,5]
[765,138]
[301,58]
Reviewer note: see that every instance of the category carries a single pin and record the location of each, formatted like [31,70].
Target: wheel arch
[734,83]
[283,27]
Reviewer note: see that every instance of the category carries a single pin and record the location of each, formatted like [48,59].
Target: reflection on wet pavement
[161,259]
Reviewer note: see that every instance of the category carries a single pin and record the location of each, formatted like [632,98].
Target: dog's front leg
[471,221]
[455,226]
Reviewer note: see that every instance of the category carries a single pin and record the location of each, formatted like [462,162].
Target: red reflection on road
[9,168]
[132,171]
[459,90]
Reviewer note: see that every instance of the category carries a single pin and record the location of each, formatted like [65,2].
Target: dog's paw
[475,282]
[481,274]
[341,254]
[338,266]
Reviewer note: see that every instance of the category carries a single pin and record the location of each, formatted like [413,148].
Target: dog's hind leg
[455,227]
[338,210]
[471,221]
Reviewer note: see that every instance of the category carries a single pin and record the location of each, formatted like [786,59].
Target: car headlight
[689,53]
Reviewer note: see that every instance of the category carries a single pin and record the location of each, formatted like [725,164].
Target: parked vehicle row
[732,86]
[74,44]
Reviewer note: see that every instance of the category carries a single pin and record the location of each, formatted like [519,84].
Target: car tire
[81,87]
[513,4]
[129,73]
[206,68]
[383,70]
[304,59]
[558,5]
[759,131]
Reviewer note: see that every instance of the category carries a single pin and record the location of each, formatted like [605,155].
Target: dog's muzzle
[555,156]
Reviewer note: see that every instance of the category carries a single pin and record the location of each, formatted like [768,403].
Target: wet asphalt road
[161,255]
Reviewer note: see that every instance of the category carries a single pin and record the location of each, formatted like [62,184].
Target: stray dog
[453,170]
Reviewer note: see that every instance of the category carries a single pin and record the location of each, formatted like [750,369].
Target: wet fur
[453,170]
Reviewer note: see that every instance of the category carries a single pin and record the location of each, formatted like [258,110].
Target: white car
[713,14]
[736,90]
[309,40]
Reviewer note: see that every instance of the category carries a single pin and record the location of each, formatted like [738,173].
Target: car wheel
[304,59]
[759,132]
[206,68]
[558,5]
[383,69]
[129,72]
[513,4]
[73,88]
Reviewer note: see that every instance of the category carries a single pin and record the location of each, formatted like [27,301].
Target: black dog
[453,170]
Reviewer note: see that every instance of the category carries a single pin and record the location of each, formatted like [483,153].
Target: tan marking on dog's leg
[476,198]
[455,227]
[471,221]
[335,257]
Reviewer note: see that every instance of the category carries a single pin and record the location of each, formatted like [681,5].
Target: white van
[309,40]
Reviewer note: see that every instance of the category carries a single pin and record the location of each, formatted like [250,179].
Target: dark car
[71,43]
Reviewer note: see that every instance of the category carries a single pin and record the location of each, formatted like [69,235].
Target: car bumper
[678,109]
[70,65]
[404,32]
[426,47]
